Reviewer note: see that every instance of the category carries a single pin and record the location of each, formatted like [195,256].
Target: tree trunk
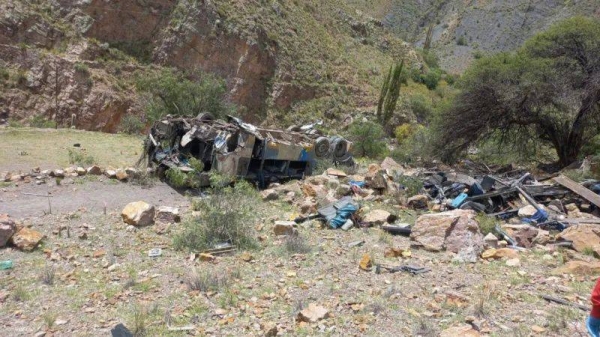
[568,151]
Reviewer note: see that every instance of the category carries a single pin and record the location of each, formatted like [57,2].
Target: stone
[308,207]
[138,213]
[110,173]
[584,236]
[342,190]
[269,195]
[377,217]
[206,257]
[392,252]
[490,241]
[70,170]
[515,262]
[376,181]
[58,173]
[366,263]
[80,171]
[418,201]
[121,175]
[527,211]
[284,228]
[577,267]
[499,253]
[312,314]
[7,229]
[390,164]
[167,215]
[524,235]
[464,330]
[27,239]
[452,230]
[335,172]
[246,257]
[94,170]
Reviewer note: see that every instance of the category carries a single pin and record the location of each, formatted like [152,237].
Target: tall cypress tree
[390,92]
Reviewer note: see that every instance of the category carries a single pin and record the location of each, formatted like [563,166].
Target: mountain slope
[76,61]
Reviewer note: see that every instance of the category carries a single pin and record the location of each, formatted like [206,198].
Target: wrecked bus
[235,148]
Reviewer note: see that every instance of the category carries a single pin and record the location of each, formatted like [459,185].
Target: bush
[406,131]
[432,78]
[417,146]
[421,107]
[183,94]
[132,124]
[368,140]
[41,122]
[80,158]
[180,179]
[227,215]
[461,41]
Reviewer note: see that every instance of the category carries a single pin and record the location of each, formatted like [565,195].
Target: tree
[548,91]
[390,91]
[183,94]
[367,139]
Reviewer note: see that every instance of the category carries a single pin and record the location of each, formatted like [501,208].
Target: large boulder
[454,231]
[138,213]
[7,229]
[27,239]
[524,235]
[390,164]
[584,237]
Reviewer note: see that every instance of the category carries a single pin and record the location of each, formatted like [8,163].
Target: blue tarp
[344,213]
[538,217]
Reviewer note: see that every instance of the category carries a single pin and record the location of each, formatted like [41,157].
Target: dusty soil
[108,278]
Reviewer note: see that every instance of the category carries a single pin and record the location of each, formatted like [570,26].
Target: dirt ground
[93,272]
[108,278]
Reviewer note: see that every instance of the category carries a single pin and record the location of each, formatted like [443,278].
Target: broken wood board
[579,189]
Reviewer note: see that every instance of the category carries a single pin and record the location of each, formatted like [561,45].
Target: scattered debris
[155,252]
[4,265]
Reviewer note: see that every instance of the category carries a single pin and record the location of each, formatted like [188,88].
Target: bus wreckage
[241,150]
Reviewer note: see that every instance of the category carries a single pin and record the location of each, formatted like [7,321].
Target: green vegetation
[227,215]
[180,179]
[39,121]
[390,91]
[80,158]
[368,140]
[545,92]
[132,125]
[170,92]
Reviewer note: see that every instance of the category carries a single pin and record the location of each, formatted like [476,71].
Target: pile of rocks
[141,213]
[39,177]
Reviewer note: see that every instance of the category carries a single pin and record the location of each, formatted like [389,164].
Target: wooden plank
[579,189]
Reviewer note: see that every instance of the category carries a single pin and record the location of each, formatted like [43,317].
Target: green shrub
[421,107]
[80,158]
[170,92]
[487,224]
[81,68]
[41,122]
[461,41]
[132,124]
[432,78]
[417,146]
[227,215]
[367,140]
[179,179]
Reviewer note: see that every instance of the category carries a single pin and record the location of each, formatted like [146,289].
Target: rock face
[138,213]
[7,229]
[583,237]
[27,239]
[453,231]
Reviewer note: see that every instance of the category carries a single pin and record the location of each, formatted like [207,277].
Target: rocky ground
[92,271]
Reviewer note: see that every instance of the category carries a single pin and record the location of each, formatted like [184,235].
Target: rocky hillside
[463,30]
[75,63]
